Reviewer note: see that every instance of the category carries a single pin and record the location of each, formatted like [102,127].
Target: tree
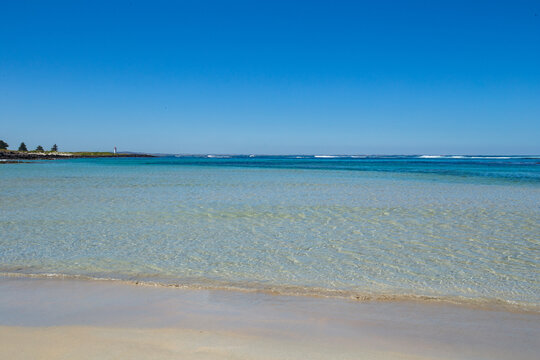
[22,147]
[39,148]
[54,148]
[3,145]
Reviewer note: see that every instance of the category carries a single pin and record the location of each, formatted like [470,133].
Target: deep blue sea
[456,228]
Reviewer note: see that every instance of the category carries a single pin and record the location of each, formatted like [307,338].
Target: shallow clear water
[443,227]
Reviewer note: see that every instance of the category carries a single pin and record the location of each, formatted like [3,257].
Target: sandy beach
[128,343]
[292,180]
[66,319]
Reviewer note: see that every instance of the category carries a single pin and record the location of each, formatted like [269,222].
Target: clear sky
[274,77]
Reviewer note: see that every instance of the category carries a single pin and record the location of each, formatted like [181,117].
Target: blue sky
[276,77]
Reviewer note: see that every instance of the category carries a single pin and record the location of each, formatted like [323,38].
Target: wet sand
[74,319]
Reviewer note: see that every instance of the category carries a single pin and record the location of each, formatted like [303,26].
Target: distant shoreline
[29,155]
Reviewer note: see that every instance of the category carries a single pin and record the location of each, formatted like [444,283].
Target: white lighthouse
[115,150]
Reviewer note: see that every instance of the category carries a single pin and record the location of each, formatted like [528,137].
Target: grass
[93,153]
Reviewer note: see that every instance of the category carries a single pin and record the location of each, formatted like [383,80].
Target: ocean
[463,229]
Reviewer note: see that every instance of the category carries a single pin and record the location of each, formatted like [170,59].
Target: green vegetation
[4,146]
[94,153]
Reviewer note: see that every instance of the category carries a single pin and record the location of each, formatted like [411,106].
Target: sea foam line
[291,290]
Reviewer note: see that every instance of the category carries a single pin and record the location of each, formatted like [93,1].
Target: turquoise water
[466,229]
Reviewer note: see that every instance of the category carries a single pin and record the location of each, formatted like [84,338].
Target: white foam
[466,157]
[491,157]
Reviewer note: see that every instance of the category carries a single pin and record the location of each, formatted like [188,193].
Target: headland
[13,155]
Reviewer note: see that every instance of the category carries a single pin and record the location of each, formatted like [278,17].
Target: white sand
[70,319]
[116,343]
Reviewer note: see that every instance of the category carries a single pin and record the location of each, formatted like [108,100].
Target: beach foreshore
[66,318]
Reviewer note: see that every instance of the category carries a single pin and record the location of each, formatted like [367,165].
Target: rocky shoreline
[10,156]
